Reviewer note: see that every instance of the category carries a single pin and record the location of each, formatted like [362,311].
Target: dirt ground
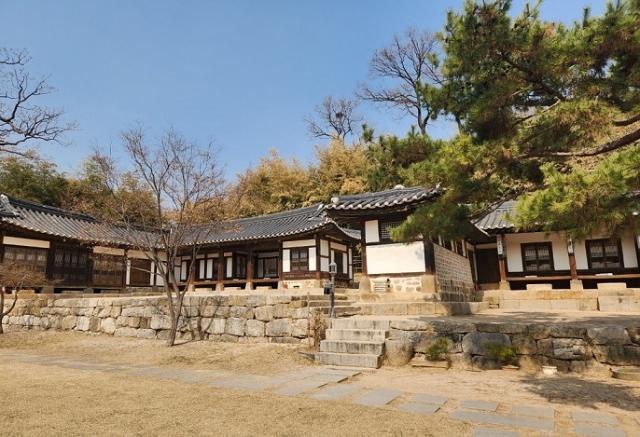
[39,400]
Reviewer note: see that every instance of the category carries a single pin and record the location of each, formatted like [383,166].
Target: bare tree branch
[22,120]
[334,118]
[413,62]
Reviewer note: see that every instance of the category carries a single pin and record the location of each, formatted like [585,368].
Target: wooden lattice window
[300,259]
[537,257]
[604,254]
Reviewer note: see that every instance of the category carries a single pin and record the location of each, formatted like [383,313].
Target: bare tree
[412,64]
[333,118]
[14,277]
[21,119]
[185,180]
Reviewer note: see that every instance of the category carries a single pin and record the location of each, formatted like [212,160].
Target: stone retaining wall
[570,348]
[453,273]
[232,318]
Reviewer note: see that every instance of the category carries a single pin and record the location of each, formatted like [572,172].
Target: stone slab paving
[524,410]
[299,387]
[593,417]
[479,405]
[429,399]
[499,419]
[173,375]
[377,398]
[336,392]
[328,377]
[583,429]
[419,408]
[240,385]
[492,432]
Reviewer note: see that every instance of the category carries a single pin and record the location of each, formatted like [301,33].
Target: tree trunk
[174,312]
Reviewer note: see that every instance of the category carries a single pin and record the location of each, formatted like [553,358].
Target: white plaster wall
[395,258]
[26,242]
[630,260]
[371,231]
[286,260]
[312,259]
[299,243]
[324,248]
[514,251]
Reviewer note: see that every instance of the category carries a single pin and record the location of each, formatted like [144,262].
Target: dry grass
[52,401]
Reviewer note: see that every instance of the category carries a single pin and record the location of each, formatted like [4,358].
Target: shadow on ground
[584,393]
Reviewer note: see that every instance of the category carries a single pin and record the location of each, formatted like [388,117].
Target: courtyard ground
[69,400]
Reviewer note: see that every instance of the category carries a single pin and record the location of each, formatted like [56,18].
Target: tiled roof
[282,224]
[396,197]
[495,221]
[64,224]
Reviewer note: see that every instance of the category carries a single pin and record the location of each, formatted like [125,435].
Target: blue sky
[242,73]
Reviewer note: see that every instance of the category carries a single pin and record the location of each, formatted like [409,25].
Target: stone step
[618,304]
[339,310]
[357,334]
[349,360]
[352,347]
[352,323]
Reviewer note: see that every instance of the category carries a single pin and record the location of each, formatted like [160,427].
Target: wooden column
[221,268]
[249,285]
[318,258]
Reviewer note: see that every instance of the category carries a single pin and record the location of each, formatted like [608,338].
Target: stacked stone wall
[570,348]
[453,273]
[231,318]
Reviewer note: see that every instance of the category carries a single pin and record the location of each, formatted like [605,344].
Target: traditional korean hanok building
[291,249]
[432,266]
[516,259]
[286,250]
[75,251]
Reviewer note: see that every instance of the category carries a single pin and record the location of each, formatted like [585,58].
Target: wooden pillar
[429,258]
[249,285]
[221,267]
[318,258]
[502,265]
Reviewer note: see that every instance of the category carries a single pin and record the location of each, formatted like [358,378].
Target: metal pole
[332,311]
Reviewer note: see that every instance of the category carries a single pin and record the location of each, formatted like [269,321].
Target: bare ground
[39,400]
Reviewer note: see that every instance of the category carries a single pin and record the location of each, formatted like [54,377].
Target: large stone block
[619,355]
[213,326]
[241,312]
[618,303]
[125,332]
[235,326]
[160,321]
[562,331]
[263,313]
[590,367]
[280,311]
[411,325]
[488,327]
[132,311]
[526,344]
[146,333]
[279,328]
[634,334]
[565,305]
[473,343]
[538,332]
[68,322]
[513,328]
[83,323]
[300,328]
[565,348]
[255,328]
[108,325]
[608,335]
[256,300]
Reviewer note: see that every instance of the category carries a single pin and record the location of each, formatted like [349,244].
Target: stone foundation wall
[570,348]
[453,272]
[232,318]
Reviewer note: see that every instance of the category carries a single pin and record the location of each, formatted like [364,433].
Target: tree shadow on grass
[585,393]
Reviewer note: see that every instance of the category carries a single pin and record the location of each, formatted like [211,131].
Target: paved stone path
[325,384]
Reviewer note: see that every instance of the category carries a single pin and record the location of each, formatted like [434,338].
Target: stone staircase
[354,343]
[343,306]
